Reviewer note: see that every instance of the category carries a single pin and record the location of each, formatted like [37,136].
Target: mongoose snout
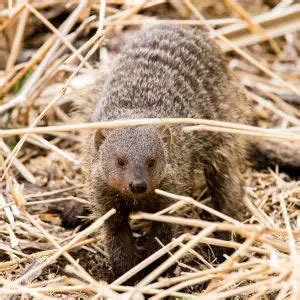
[138,186]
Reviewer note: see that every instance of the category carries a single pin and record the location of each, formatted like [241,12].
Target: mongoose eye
[121,162]
[151,163]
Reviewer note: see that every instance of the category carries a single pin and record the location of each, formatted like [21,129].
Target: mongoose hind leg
[225,184]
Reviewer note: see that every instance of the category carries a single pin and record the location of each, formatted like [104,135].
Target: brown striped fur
[165,71]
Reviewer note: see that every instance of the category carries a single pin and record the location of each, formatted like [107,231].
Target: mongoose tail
[268,153]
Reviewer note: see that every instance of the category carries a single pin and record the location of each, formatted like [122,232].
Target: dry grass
[53,49]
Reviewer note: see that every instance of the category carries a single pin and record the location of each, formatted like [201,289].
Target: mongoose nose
[138,187]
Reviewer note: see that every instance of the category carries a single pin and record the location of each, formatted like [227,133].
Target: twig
[101,15]
[242,229]
[59,35]
[170,261]
[198,204]
[149,260]
[18,39]
[265,103]
[213,22]
[294,256]
[201,276]
[17,148]
[209,125]
[245,55]
[98,223]
[274,25]
[84,274]
[11,264]
[12,17]
[19,166]
[40,141]
[252,25]
[54,192]
[65,28]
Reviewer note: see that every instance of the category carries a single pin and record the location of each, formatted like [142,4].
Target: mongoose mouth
[138,190]
[133,190]
[137,196]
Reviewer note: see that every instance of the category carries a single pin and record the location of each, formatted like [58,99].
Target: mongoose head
[133,160]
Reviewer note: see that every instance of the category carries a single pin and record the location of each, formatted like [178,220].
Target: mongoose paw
[71,212]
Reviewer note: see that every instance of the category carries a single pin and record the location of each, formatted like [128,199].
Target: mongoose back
[165,71]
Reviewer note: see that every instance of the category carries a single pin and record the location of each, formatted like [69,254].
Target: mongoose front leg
[119,245]
[225,184]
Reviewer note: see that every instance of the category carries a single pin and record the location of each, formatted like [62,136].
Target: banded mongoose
[165,71]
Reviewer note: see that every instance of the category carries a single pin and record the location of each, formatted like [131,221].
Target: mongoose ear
[99,137]
[167,135]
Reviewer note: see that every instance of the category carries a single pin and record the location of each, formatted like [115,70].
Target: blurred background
[54,55]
